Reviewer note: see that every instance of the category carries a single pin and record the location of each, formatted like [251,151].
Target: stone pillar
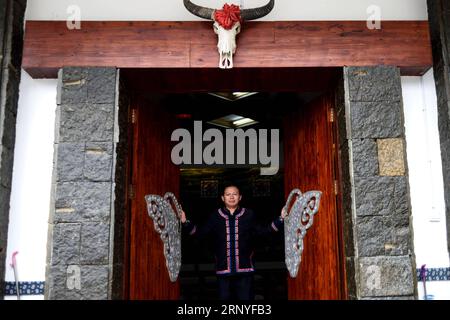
[82,218]
[377,211]
[11,43]
[439,17]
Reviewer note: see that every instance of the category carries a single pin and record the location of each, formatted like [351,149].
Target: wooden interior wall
[49,45]
[153,173]
[309,165]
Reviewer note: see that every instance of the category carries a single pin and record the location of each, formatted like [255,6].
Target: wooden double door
[309,164]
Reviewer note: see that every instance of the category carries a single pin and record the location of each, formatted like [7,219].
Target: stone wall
[439,17]
[378,230]
[80,248]
[11,42]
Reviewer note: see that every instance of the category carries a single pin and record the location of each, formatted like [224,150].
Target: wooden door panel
[308,156]
[153,173]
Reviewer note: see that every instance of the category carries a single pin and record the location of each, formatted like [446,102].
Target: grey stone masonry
[439,18]
[80,245]
[382,255]
[11,43]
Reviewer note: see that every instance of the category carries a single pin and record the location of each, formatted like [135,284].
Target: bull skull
[227,24]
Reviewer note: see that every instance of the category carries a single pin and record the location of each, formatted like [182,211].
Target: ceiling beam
[50,45]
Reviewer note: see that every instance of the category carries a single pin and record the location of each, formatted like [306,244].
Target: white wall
[425,177]
[174,9]
[31,182]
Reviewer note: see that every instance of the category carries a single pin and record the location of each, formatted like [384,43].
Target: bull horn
[199,11]
[256,13]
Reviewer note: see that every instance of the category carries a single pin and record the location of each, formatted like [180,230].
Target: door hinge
[336,190]
[332,115]
[131,192]
[133,116]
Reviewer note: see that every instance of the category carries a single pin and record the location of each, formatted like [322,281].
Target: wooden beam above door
[50,45]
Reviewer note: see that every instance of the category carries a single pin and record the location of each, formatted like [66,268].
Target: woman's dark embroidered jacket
[233,238]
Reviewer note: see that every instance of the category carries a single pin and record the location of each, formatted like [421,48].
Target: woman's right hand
[183,217]
[283,213]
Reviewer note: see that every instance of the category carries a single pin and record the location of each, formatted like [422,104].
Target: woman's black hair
[230,185]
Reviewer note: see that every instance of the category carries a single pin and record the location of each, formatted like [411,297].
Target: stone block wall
[11,43]
[378,230]
[82,217]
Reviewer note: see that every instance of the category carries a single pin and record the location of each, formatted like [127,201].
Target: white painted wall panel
[32,175]
[425,171]
[167,10]
[425,179]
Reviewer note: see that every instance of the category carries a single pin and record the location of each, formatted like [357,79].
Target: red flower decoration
[228,16]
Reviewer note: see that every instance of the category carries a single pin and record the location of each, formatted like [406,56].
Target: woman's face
[231,197]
